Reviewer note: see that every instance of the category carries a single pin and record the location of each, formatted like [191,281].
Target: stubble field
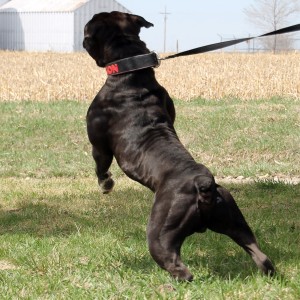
[52,76]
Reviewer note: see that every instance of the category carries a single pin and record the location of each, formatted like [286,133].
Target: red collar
[131,64]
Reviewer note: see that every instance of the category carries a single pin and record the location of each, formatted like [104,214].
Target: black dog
[132,119]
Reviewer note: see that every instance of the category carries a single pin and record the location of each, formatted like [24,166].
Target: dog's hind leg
[228,219]
[103,161]
[167,255]
[165,237]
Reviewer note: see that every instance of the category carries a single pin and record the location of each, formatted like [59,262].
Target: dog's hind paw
[106,184]
[182,274]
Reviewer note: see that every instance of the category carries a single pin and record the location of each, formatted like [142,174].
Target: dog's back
[136,124]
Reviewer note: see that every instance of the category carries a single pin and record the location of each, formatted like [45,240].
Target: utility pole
[165,29]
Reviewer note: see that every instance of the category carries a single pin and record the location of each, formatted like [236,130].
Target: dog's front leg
[103,161]
[228,219]
[165,237]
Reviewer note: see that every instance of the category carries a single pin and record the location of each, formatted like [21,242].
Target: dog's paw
[106,184]
[182,274]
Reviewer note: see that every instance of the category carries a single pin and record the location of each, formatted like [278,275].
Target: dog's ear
[130,24]
[140,21]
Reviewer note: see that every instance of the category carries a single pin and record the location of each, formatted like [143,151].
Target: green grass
[65,240]
[62,239]
[247,138]
[43,139]
[230,137]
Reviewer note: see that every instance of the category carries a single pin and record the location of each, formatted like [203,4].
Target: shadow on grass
[39,217]
[124,214]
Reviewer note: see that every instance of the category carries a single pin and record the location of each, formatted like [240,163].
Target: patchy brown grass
[6,265]
[53,76]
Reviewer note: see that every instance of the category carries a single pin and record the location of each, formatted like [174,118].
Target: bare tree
[271,15]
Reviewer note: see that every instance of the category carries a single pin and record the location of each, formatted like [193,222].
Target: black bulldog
[131,118]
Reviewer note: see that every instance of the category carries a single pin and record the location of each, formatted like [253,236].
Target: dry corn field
[53,76]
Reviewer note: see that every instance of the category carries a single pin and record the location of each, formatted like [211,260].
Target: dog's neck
[121,47]
[141,81]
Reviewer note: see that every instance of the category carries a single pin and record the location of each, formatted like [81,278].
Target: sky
[192,23]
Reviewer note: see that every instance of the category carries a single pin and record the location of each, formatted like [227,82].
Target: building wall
[49,31]
[32,31]
[81,16]
[11,32]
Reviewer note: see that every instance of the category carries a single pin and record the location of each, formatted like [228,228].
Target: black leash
[151,60]
[221,45]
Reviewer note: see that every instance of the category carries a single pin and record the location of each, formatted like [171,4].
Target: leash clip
[158,59]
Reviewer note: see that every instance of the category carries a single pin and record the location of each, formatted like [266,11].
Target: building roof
[3,2]
[41,5]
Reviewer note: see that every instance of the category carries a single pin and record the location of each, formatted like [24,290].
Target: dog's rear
[132,119]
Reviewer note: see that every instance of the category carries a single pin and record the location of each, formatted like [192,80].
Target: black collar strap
[131,64]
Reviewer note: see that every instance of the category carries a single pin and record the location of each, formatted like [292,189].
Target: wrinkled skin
[131,119]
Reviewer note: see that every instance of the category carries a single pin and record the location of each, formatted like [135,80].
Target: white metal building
[48,25]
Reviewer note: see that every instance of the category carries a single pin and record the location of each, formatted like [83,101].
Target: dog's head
[112,36]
